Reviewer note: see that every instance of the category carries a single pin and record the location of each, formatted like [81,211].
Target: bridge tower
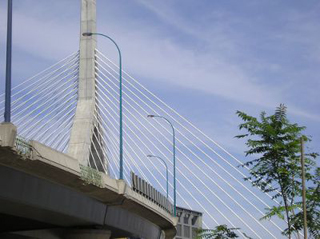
[85,144]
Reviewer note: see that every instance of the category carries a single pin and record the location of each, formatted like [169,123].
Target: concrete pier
[84,124]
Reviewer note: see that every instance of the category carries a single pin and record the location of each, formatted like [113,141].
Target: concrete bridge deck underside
[31,203]
[35,194]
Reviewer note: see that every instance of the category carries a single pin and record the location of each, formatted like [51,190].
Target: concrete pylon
[84,123]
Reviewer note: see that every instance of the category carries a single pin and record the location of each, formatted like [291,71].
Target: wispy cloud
[202,52]
[41,36]
[219,69]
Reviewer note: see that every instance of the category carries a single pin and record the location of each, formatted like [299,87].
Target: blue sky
[206,59]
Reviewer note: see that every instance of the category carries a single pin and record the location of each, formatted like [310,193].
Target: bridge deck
[106,202]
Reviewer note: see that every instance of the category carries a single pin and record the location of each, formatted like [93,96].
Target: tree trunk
[287,210]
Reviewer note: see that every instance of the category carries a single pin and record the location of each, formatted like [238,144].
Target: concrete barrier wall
[142,187]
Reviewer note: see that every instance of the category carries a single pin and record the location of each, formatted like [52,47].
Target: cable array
[208,177]
[43,106]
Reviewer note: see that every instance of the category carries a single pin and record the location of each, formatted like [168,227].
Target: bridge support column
[80,139]
[85,121]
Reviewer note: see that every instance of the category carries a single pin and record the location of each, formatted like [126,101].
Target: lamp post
[120,95]
[165,164]
[7,111]
[174,160]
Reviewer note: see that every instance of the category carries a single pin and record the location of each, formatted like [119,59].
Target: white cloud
[152,54]
[45,38]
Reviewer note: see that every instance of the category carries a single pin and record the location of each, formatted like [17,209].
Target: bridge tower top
[87,50]
[84,123]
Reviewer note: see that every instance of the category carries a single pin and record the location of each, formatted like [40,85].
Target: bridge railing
[146,190]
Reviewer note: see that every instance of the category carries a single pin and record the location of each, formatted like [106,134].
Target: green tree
[276,169]
[220,232]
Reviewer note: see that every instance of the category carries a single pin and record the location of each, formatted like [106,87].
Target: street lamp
[165,164]
[120,95]
[7,111]
[174,160]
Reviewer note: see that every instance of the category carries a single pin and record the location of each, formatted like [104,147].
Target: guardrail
[145,189]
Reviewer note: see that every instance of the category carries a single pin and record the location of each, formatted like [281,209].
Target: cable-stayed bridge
[71,110]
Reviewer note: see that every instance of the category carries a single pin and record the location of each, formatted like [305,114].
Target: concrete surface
[8,133]
[83,124]
[61,169]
